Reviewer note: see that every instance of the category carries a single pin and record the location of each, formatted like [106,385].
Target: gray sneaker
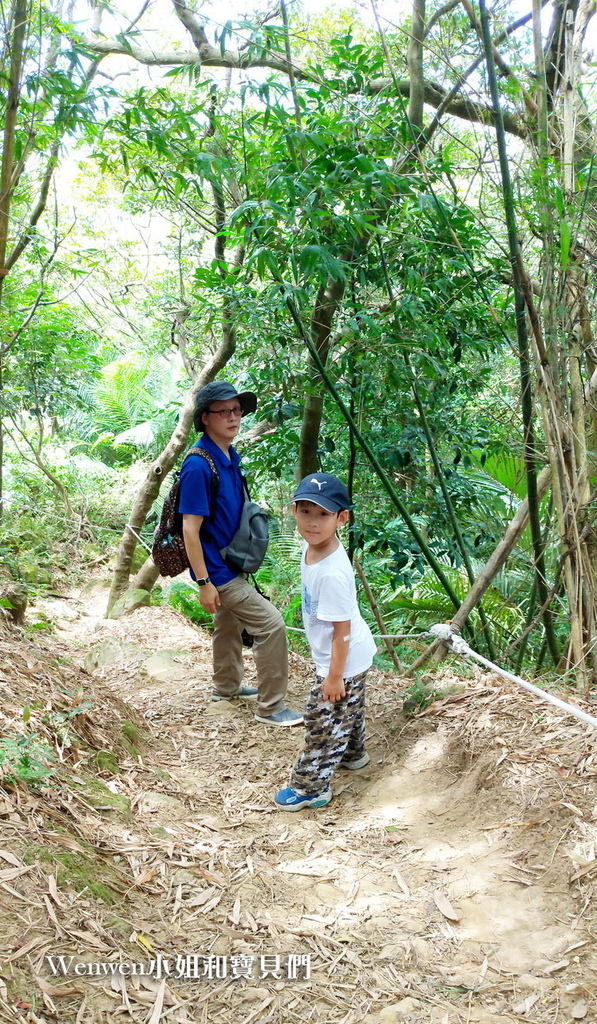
[358,762]
[284,717]
[245,692]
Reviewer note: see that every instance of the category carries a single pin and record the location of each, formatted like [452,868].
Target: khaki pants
[242,607]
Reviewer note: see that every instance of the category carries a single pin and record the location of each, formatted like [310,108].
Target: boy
[342,647]
[233,602]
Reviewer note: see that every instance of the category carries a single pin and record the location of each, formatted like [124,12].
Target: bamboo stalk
[378,616]
[522,337]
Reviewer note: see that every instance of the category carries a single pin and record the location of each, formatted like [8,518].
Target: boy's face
[315,524]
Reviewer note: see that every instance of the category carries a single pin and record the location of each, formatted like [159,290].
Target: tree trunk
[415,69]
[19,21]
[328,300]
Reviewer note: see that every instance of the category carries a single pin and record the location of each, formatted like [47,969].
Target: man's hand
[333,689]
[209,598]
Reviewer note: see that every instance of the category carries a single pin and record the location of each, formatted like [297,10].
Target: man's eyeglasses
[235,411]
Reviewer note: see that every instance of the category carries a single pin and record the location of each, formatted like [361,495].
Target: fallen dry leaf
[8,874]
[579,1010]
[445,907]
[158,1005]
[521,1009]
[10,858]
[401,883]
[55,991]
[202,897]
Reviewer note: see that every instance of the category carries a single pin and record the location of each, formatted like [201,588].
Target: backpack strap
[215,479]
[246,492]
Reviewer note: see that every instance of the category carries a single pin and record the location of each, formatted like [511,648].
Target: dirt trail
[450,881]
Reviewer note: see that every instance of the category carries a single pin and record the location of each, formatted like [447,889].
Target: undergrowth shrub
[184,597]
[25,759]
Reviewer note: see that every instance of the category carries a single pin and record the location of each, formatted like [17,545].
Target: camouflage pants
[334,733]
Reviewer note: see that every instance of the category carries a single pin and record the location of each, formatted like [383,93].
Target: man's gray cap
[221,391]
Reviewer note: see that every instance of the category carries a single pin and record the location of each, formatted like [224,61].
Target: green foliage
[25,759]
[54,356]
[131,407]
[39,542]
[420,695]
[185,598]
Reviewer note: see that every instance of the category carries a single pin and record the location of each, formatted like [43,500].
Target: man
[224,593]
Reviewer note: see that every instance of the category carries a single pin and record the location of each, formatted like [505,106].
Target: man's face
[222,419]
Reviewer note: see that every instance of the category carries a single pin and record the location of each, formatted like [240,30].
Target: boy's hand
[209,598]
[333,689]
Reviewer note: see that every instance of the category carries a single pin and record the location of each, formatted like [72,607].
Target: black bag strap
[245,487]
[255,584]
[215,478]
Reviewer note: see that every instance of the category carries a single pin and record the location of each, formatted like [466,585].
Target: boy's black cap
[325,490]
[221,391]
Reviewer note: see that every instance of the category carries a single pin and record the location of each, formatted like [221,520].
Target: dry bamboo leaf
[52,914]
[556,967]
[259,1010]
[118,984]
[90,939]
[145,877]
[56,991]
[202,897]
[353,892]
[521,1009]
[8,874]
[445,907]
[158,1005]
[585,870]
[22,950]
[211,877]
[571,807]
[53,890]
[235,915]
[10,858]
[66,841]
[209,906]
[401,883]
[309,868]
[177,902]
[82,1012]
[517,879]
[252,923]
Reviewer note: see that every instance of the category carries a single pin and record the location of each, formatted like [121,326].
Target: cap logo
[320,483]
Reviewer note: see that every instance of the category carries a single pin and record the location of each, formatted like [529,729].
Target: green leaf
[565,239]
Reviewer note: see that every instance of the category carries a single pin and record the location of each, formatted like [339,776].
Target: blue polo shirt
[195,499]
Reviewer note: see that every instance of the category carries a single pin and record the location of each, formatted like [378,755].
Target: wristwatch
[204,582]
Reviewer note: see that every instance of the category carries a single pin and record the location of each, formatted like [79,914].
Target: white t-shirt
[329,595]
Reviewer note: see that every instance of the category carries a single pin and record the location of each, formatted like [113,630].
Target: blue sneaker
[284,717]
[288,800]
[245,692]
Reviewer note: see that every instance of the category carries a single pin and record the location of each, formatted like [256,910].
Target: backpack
[246,550]
[244,553]
[168,551]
